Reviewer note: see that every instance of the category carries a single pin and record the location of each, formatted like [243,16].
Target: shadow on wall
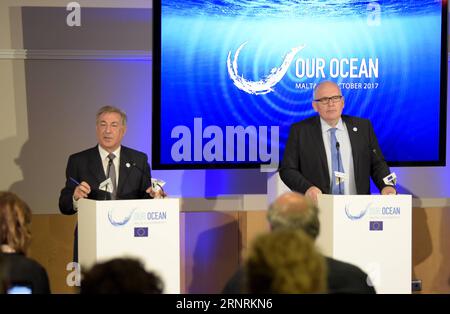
[41,123]
[35,166]
[55,131]
[421,236]
[212,250]
[213,239]
[63,95]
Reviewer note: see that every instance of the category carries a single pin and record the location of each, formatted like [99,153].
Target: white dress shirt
[105,160]
[345,148]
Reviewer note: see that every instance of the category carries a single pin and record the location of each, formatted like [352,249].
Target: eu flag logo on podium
[141,232]
[376,225]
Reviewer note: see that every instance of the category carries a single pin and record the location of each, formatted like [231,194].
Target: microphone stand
[339,165]
[146,175]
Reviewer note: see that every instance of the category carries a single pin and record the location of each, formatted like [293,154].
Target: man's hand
[156,194]
[388,190]
[312,193]
[81,191]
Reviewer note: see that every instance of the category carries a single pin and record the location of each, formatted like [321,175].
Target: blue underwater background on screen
[401,98]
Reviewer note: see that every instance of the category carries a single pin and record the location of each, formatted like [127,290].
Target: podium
[145,229]
[373,232]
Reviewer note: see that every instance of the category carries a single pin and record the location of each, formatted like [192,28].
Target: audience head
[285,261]
[294,211]
[15,220]
[120,275]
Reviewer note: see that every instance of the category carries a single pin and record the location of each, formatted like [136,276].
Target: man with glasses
[333,153]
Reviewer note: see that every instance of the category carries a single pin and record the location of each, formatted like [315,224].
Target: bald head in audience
[293,210]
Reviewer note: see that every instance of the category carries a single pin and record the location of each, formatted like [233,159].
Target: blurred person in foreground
[15,235]
[118,276]
[293,210]
[285,261]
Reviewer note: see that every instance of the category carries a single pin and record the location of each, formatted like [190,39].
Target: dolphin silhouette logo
[264,85]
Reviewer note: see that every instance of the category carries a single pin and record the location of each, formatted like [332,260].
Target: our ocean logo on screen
[264,85]
[309,68]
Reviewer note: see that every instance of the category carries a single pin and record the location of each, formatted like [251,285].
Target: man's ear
[314,105]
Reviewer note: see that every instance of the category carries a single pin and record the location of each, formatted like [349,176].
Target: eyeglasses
[326,100]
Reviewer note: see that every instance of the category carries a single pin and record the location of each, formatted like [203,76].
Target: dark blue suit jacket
[341,278]
[305,164]
[87,166]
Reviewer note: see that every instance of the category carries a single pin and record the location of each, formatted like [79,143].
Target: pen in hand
[74,181]
[81,190]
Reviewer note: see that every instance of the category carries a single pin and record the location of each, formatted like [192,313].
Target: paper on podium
[106,186]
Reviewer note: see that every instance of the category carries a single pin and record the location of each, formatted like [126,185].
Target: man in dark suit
[295,211]
[310,153]
[108,170]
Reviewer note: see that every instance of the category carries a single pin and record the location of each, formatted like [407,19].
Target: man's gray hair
[325,82]
[112,109]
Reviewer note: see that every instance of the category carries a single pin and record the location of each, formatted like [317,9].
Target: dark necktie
[111,173]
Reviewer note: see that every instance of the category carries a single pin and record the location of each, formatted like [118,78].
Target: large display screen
[231,77]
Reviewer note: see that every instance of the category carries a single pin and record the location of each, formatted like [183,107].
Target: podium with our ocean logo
[145,229]
[373,232]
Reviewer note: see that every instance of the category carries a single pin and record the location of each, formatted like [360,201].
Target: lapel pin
[128,165]
[355,129]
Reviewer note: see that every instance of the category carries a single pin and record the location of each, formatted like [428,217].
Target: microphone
[391,178]
[134,165]
[377,156]
[147,175]
[339,163]
[374,151]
